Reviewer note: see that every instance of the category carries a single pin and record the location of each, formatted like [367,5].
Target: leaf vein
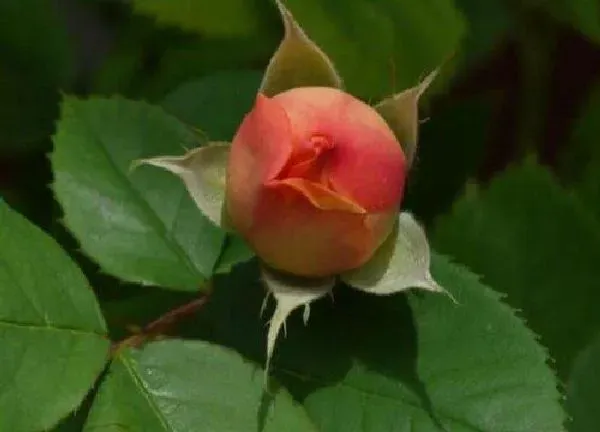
[140,384]
[151,215]
[37,326]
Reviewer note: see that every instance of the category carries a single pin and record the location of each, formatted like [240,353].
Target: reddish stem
[161,325]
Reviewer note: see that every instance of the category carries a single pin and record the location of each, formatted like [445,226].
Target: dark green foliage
[87,87]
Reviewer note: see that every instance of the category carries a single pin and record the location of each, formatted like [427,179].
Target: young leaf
[141,226]
[405,363]
[290,293]
[401,111]
[298,62]
[203,171]
[52,334]
[534,241]
[174,386]
[401,262]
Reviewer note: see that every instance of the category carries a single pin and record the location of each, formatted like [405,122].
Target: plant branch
[162,324]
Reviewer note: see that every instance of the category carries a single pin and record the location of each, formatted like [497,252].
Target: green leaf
[140,226]
[361,366]
[75,421]
[188,386]
[583,390]
[223,18]
[583,15]
[400,263]
[215,104]
[235,251]
[480,370]
[380,47]
[297,62]
[532,240]
[36,62]
[52,334]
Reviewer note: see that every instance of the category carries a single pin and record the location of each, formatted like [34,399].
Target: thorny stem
[162,324]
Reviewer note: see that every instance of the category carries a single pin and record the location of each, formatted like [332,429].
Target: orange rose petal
[293,235]
[265,138]
[319,196]
[367,165]
[260,149]
[367,162]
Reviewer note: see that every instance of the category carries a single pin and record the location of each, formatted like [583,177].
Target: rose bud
[314,181]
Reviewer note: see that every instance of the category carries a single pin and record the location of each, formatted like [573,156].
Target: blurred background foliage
[520,77]
[507,178]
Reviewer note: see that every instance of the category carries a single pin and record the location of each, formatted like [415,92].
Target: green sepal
[203,171]
[290,292]
[298,61]
[401,112]
[401,262]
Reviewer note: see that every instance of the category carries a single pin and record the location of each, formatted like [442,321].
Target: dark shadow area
[384,339]
[349,331]
[75,422]
[313,356]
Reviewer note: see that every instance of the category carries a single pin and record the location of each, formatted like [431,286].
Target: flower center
[309,161]
[320,143]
